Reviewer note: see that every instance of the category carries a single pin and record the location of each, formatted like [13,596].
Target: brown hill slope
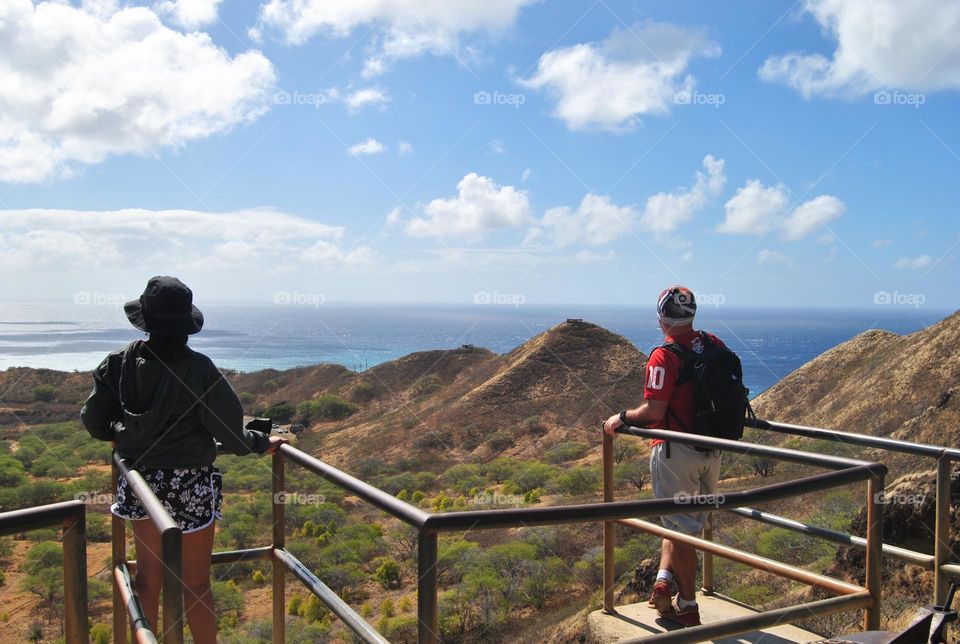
[555,387]
[878,383]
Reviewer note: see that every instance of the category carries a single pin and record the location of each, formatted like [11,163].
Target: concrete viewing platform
[634,621]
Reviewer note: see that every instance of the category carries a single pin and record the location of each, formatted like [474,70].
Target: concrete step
[637,620]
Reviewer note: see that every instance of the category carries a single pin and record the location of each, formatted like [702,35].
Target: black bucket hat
[166,306]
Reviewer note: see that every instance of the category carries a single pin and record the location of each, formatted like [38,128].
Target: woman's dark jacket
[166,414]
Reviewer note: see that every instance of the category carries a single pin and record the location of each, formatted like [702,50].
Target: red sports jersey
[663,370]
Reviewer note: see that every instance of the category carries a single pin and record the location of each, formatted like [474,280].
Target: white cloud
[328,255]
[480,205]
[593,257]
[404,148]
[915,263]
[365,97]
[880,243]
[667,211]
[71,240]
[80,84]
[755,209]
[495,146]
[906,44]
[597,220]
[632,73]
[368,147]
[767,257]
[190,14]
[526,175]
[403,29]
[811,215]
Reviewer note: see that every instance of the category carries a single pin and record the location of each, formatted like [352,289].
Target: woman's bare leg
[197,595]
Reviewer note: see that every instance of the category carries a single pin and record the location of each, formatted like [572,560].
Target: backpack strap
[684,375]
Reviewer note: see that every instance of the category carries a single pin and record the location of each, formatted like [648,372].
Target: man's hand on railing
[275,443]
[611,424]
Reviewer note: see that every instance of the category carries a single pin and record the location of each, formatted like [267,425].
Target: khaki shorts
[687,473]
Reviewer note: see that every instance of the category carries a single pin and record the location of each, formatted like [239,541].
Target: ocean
[248,337]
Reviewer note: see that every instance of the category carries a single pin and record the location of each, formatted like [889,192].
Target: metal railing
[939,561]
[429,526]
[71,517]
[845,470]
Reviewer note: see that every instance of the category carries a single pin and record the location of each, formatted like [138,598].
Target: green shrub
[362,392]
[462,477]
[388,573]
[325,407]
[500,441]
[534,425]
[44,393]
[564,452]
[293,606]
[247,398]
[282,412]
[101,634]
[532,475]
[426,385]
[386,608]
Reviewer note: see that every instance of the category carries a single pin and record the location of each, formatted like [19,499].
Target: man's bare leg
[681,560]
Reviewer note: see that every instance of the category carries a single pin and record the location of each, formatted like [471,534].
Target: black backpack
[721,401]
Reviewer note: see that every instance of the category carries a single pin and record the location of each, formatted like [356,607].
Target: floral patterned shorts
[193,496]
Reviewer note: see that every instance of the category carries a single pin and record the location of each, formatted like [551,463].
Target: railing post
[874,564]
[171,544]
[708,556]
[427,588]
[277,567]
[75,576]
[609,558]
[118,555]
[941,551]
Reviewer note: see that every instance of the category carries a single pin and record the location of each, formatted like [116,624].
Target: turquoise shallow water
[771,343]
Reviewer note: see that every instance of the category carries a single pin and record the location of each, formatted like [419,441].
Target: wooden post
[118,555]
[75,577]
[171,545]
[427,588]
[941,549]
[278,569]
[609,558]
[874,565]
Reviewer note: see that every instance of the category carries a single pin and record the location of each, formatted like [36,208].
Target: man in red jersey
[676,471]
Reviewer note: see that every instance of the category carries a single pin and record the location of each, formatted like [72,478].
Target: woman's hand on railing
[275,443]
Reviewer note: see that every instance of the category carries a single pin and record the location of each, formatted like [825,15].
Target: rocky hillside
[878,383]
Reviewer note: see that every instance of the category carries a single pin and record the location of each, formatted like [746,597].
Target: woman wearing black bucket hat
[165,407]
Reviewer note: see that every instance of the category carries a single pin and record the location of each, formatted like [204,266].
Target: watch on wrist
[623,418]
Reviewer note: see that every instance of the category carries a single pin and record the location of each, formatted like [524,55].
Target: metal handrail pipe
[862,440]
[44,516]
[835,586]
[590,512]
[766,619]
[249,554]
[796,456]
[155,510]
[347,615]
[387,502]
[952,570]
[139,623]
[903,554]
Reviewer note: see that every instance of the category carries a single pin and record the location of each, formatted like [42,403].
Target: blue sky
[769,153]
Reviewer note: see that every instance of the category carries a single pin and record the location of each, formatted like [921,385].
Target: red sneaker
[689,616]
[662,597]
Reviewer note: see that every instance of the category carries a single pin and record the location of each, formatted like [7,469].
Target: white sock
[664,575]
[686,603]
